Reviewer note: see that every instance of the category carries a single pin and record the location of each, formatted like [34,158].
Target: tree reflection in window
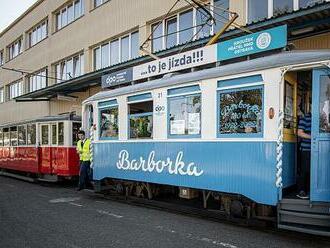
[109,123]
[241,111]
[140,120]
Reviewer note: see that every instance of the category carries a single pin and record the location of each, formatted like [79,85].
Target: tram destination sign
[265,40]
[117,78]
[177,62]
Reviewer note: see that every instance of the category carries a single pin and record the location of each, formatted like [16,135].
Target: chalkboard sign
[241,111]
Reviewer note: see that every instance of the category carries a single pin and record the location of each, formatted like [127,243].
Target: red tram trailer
[42,148]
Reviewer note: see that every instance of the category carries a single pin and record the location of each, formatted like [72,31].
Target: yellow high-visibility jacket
[84,151]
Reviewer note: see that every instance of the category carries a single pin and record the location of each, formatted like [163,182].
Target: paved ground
[33,215]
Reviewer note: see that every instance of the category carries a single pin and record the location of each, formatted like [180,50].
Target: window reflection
[325,104]
[109,123]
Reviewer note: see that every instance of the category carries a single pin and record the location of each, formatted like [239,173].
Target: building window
[109,122]
[257,10]
[171,32]
[38,80]
[1,58]
[99,2]
[201,29]
[2,97]
[186,26]
[38,33]
[282,6]
[15,49]
[185,113]
[116,51]
[240,111]
[157,37]
[69,13]
[140,115]
[15,89]
[220,14]
[69,68]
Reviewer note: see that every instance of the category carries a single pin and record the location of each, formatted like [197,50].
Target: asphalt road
[32,215]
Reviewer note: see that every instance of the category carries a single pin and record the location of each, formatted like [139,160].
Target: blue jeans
[84,174]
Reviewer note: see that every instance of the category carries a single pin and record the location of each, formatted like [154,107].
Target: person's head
[81,135]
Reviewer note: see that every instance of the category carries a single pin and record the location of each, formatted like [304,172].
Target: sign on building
[117,78]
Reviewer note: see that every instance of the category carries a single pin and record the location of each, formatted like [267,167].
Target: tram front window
[140,120]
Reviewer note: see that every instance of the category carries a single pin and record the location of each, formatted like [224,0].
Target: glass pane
[186,27]
[64,18]
[58,21]
[70,13]
[97,58]
[69,69]
[44,30]
[241,112]
[135,47]
[44,135]
[325,104]
[185,115]
[77,9]
[6,137]
[220,14]
[1,137]
[282,6]
[75,129]
[39,34]
[31,134]
[76,66]
[58,73]
[258,10]
[60,133]
[201,18]
[105,55]
[288,109]
[124,48]
[141,127]
[109,123]
[157,39]
[114,52]
[13,136]
[22,135]
[54,134]
[171,29]
[82,69]
[97,3]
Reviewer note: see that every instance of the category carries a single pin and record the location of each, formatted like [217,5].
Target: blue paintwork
[107,103]
[240,135]
[288,166]
[246,168]
[240,81]
[320,154]
[183,90]
[253,43]
[140,97]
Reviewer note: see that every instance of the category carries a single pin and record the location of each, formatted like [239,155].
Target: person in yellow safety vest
[83,149]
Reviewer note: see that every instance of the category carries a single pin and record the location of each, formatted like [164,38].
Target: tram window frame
[75,131]
[13,140]
[105,108]
[54,132]
[24,137]
[259,134]
[145,98]
[42,136]
[60,133]
[29,137]
[1,137]
[6,140]
[184,93]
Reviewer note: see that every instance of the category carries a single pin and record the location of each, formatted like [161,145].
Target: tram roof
[65,117]
[267,62]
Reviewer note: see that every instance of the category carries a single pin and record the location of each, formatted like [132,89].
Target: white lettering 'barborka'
[177,167]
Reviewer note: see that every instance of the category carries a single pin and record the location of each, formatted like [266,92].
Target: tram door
[320,153]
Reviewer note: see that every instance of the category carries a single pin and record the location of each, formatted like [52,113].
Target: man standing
[83,149]
[304,132]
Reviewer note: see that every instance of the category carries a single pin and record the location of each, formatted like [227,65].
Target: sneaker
[302,195]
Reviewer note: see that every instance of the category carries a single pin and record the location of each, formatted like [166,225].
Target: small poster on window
[178,127]
[194,123]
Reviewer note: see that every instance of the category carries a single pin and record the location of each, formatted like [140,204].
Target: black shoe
[302,195]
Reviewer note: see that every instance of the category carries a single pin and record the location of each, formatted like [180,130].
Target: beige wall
[321,41]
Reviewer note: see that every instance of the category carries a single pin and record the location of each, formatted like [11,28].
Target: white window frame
[12,53]
[38,76]
[59,13]
[62,76]
[2,95]
[34,31]
[18,87]
[102,2]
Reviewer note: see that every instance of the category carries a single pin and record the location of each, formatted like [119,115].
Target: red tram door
[320,152]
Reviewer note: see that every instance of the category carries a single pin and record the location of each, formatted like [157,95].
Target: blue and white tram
[231,129]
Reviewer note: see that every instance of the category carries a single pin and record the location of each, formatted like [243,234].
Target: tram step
[304,206]
[305,229]
[24,178]
[321,220]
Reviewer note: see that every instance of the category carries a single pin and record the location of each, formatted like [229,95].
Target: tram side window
[140,120]
[325,104]
[44,135]
[241,111]
[1,137]
[75,129]
[61,133]
[6,137]
[185,115]
[109,123]
[54,134]
[22,135]
[13,136]
[31,134]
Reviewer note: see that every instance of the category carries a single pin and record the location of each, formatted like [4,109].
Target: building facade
[57,41]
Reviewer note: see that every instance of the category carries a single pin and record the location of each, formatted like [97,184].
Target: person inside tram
[83,149]
[304,133]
